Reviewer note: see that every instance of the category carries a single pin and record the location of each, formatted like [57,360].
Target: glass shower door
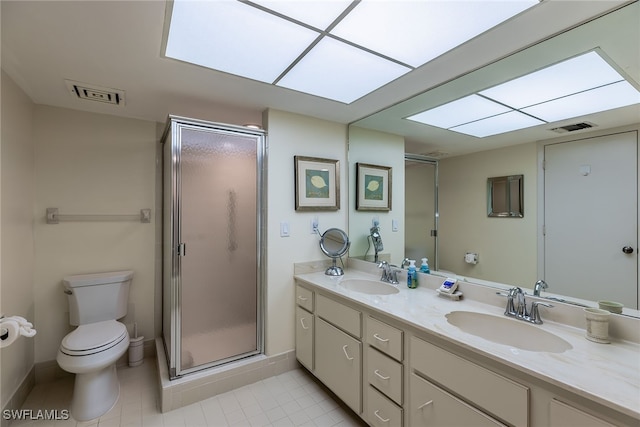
[217,246]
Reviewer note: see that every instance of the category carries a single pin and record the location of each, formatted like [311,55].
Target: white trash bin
[136,351]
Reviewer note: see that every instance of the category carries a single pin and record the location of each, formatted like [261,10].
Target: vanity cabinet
[392,373]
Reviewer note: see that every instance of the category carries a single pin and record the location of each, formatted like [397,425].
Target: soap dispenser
[412,275]
[424,268]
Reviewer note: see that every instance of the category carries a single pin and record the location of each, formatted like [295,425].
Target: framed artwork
[373,187]
[317,184]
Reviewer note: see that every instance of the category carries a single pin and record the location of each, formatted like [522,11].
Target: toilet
[91,351]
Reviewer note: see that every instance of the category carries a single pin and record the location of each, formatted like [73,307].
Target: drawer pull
[344,348]
[376,336]
[384,420]
[302,323]
[380,375]
[301,298]
[425,404]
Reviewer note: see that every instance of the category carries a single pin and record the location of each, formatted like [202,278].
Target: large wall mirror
[511,251]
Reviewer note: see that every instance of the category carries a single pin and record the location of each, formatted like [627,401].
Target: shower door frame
[174,126]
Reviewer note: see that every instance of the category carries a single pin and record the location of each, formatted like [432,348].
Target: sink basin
[372,287]
[511,332]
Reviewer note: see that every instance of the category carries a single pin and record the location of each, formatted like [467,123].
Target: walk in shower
[213,235]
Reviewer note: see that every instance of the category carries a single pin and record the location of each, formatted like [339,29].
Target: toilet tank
[97,297]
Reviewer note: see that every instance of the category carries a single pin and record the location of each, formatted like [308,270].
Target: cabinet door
[563,415]
[431,406]
[304,338]
[338,359]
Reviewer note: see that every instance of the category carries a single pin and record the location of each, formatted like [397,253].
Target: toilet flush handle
[68,292]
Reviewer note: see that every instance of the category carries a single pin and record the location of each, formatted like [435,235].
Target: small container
[611,306]
[412,275]
[424,267]
[597,325]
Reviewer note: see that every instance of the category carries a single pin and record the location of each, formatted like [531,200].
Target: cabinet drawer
[304,338]
[385,374]
[381,411]
[385,338]
[563,415]
[345,318]
[304,298]
[431,406]
[339,363]
[494,393]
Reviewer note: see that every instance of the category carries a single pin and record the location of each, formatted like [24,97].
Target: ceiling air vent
[101,94]
[574,127]
[436,154]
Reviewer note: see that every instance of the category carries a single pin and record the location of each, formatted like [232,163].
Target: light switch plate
[284,229]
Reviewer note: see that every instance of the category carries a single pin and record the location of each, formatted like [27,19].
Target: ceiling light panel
[568,77]
[415,32]
[463,110]
[235,38]
[341,72]
[502,123]
[616,95]
[319,14]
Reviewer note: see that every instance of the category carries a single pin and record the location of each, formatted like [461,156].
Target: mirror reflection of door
[421,208]
[590,217]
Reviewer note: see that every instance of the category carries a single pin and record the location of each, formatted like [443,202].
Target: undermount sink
[511,332]
[372,287]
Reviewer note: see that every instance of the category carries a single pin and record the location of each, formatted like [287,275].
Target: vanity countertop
[606,373]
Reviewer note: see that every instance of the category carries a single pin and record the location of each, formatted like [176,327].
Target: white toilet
[92,349]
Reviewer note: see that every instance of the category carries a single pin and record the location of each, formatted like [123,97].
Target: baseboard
[208,383]
[20,395]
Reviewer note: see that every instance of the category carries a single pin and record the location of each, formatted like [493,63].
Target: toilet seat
[93,338]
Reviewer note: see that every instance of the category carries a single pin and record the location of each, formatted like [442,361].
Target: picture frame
[373,187]
[317,184]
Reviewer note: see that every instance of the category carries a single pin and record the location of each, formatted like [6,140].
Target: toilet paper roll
[12,331]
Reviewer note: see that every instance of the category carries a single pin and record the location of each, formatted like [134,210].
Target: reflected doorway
[421,209]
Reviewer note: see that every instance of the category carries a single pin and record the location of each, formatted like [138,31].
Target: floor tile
[292,399]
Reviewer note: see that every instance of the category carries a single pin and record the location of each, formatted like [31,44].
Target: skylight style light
[582,85]
[336,49]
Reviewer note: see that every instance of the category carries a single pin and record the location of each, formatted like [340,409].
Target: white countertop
[606,373]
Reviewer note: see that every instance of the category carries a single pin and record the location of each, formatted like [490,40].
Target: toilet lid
[94,337]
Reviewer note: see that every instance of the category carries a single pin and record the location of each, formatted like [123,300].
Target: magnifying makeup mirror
[334,243]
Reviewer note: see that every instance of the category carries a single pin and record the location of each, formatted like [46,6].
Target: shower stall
[213,236]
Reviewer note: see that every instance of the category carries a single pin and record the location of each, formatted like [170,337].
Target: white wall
[506,246]
[17,243]
[92,163]
[289,135]
[383,149]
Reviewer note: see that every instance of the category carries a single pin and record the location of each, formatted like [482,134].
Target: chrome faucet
[389,273]
[538,287]
[517,306]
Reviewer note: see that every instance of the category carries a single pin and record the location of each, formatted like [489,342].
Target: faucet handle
[535,314]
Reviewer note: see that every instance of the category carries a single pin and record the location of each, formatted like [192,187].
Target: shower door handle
[182,249]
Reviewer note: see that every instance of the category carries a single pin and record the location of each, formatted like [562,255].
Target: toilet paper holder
[471,258]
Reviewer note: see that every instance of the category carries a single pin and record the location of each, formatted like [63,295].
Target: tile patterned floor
[289,399]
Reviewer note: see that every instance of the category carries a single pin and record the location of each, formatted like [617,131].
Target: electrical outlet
[315,224]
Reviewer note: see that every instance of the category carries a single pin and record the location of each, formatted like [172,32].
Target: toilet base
[95,393]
